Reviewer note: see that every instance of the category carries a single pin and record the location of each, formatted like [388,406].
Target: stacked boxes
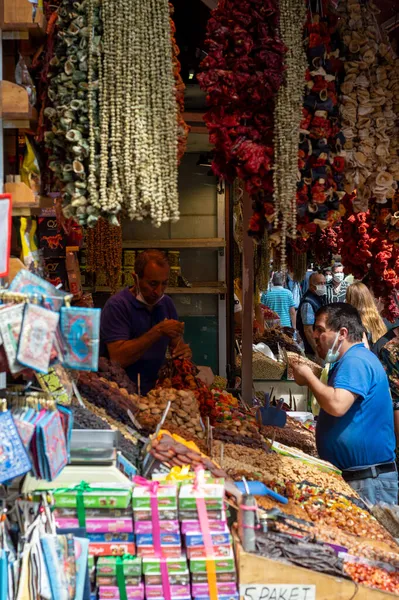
[197,553]
[106,578]
[108,517]
[167,511]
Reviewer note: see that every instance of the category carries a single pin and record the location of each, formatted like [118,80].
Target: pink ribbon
[205,530]
[156,531]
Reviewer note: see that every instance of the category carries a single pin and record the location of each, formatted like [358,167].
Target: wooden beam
[193,117]
[247,303]
[201,130]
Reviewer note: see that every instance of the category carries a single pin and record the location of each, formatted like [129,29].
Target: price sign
[277,591]
[5,233]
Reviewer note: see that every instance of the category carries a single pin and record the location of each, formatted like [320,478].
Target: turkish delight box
[132,566]
[218,537]
[101,580]
[166,551]
[111,537]
[166,497]
[174,578]
[164,526]
[213,494]
[224,589]
[176,591]
[111,548]
[167,539]
[200,551]
[194,526]
[97,496]
[164,514]
[152,566]
[221,576]
[226,563]
[99,525]
[112,592]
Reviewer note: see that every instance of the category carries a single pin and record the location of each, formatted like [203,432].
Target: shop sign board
[277,591]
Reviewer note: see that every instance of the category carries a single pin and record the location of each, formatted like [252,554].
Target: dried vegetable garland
[115,117]
[241,75]
[369,106]
[68,125]
[104,251]
[321,160]
[183,128]
[287,119]
[368,254]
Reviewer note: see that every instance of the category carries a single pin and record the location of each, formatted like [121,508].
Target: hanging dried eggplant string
[104,251]
[299,263]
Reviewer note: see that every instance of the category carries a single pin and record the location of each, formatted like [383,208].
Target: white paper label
[5,233]
[278,591]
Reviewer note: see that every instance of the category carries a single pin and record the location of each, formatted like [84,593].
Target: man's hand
[182,350]
[301,372]
[171,328]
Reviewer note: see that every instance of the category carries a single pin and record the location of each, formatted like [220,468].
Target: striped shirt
[339,295]
[280,300]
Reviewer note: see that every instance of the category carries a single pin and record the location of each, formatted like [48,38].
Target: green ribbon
[120,578]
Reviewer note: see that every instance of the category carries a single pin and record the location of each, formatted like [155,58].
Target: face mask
[332,356]
[338,277]
[321,290]
[328,278]
[140,297]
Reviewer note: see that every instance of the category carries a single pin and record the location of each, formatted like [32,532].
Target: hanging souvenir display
[80,328]
[37,337]
[241,75]
[368,102]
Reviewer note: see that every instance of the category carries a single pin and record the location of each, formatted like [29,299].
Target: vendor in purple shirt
[138,324]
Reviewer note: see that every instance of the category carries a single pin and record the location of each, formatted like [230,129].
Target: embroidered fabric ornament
[14,460]
[81,332]
[10,329]
[37,337]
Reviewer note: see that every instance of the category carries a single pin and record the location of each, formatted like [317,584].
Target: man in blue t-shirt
[139,323]
[355,429]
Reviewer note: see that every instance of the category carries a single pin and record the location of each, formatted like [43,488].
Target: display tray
[254,571]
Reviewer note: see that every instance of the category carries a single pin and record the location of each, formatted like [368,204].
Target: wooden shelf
[175,243]
[16,110]
[16,15]
[25,211]
[206,288]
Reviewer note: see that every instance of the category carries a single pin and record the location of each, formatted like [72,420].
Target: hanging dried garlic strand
[287,119]
[138,104]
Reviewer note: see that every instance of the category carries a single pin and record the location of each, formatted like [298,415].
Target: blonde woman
[361,298]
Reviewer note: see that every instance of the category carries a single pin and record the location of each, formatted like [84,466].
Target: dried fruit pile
[373,576]
[175,454]
[183,411]
[181,375]
[115,400]
[330,508]
[256,464]
[112,371]
[293,435]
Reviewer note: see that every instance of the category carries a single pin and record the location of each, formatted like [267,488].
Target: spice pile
[373,576]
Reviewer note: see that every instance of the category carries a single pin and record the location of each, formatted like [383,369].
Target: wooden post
[247,303]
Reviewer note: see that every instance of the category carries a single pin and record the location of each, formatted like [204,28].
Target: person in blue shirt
[355,428]
[281,301]
[138,324]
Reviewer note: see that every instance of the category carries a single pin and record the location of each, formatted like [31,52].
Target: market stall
[202,488]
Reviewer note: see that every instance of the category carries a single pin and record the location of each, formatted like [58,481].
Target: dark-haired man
[355,429]
[139,323]
[336,288]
